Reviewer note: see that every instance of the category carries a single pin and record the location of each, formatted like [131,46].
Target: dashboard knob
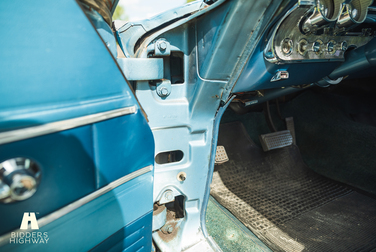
[287,46]
[331,47]
[344,46]
[316,47]
[303,47]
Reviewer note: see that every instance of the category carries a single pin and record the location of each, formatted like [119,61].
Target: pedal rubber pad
[276,140]
[221,155]
[291,127]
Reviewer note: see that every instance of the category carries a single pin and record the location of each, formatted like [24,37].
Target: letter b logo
[29,217]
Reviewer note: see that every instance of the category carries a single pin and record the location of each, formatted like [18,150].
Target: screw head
[162,45]
[164,91]
[169,229]
[182,176]
[169,196]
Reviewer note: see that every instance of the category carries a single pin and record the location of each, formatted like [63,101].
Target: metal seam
[35,131]
[79,203]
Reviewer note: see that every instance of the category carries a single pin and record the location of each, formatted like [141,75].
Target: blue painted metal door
[97,175]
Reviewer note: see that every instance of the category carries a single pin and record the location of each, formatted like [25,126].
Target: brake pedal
[276,140]
[221,155]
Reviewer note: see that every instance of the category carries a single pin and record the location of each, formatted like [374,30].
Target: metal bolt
[162,45]
[169,229]
[182,177]
[168,196]
[164,91]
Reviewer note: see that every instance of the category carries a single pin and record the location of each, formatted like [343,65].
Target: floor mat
[336,136]
[284,203]
[335,132]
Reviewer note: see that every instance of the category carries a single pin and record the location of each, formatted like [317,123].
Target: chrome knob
[287,46]
[22,187]
[19,179]
[344,46]
[316,47]
[330,46]
[303,47]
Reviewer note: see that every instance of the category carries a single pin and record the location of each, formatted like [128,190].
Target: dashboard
[319,31]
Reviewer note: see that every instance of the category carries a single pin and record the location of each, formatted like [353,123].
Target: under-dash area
[287,205]
[317,195]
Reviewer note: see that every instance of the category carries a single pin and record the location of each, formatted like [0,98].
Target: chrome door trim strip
[73,206]
[21,134]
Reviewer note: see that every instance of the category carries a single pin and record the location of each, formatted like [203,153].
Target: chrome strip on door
[73,206]
[21,134]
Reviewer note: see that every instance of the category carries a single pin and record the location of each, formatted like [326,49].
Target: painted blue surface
[76,162]
[93,223]
[121,146]
[258,72]
[103,29]
[68,172]
[209,30]
[53,65]
[130,238]
[214,142]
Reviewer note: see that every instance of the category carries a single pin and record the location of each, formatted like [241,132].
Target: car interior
[317,194]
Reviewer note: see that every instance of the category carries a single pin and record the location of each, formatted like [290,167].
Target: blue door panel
[76,162]
[54,66]
[91,225]
[68,172]
[115,156]
[130,238]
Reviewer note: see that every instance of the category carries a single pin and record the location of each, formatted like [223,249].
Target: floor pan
[285,204]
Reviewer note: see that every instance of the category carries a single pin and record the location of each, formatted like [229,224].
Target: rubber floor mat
[285,204]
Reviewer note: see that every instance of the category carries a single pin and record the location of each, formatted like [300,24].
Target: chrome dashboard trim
[35,131]
[76,204]
[288,27]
